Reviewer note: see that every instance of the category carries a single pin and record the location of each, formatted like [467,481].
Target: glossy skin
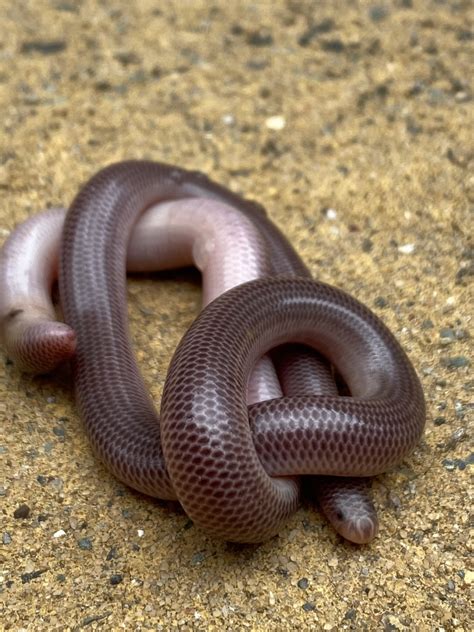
[229,250]
[224,474]
[220,470]
[29,329]
[223,244]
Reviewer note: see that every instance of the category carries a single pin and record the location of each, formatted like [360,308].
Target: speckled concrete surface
[351,123]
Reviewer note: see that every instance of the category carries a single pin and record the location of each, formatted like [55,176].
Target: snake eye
[14,312]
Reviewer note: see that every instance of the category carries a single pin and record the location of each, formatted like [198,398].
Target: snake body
[234,479]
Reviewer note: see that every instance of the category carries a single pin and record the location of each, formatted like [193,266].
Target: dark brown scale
[220,470]
[346,502]
[382,421]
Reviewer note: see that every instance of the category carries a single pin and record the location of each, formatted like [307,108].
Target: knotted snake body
[232,478]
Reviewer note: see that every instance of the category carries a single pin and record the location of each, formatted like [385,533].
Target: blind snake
[235,480]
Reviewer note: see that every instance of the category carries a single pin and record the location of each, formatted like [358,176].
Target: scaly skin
[213,459]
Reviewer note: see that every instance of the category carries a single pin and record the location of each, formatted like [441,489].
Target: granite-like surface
[366,167]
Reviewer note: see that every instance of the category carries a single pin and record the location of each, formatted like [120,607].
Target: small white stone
[228,119]
[59,534]
[331,213]
[406,249]
[275,123]
[140,533]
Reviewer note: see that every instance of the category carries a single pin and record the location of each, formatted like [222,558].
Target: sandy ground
[351,122]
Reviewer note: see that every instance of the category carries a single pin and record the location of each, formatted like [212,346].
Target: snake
[233,467]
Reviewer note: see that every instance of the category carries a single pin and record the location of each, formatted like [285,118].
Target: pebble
[406,249]
[260,38]
[456,438]
[394,501]
[198,558]
[59,534]
[116,579]
[85,544]
[456,362]
[27,577]
[367,245]
[350,614]
[381,302]
[127,58]
[21,512]
[86,622]
[45,47]
[275,123]
[453,334]
[314,30]
[460,464]
[335,45]
[447,336]
[112,554]
[303,583]
[466,270]
[460,409]
[6,538]
[378,13]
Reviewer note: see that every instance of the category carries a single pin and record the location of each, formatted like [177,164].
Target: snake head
[37,344]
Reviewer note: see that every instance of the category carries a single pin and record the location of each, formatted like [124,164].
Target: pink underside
[219,240]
